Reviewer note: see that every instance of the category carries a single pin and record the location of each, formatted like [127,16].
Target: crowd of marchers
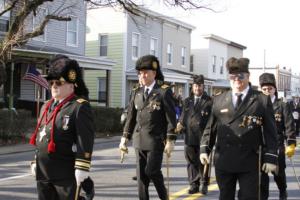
[244,132]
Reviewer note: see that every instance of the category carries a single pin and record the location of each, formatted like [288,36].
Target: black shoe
[193,189]
[283,195]
[204,189]
[134,178]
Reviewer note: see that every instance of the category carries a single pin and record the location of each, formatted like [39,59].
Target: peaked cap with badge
[150,62]
[267,79]
[235,65]
[198,79]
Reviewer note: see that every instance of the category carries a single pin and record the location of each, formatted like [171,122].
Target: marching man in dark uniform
[241,119]
[285,131]
[295,107]
[151,121]
[64,135]
[196,111]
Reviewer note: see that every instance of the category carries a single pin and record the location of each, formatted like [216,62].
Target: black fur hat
[150,62]
[267,79]
[198,79]
[65,69]
[88,187]
[235,65]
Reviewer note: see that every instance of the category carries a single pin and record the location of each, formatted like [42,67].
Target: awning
[41,56]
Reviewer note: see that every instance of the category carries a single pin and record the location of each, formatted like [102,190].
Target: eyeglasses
[267,88]
[240,76]
[56,82]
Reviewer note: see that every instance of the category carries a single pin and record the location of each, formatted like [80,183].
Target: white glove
[169,147]
[268,167]
[179,127]
[33,168]
[80,175]
[204,158]
[123,144]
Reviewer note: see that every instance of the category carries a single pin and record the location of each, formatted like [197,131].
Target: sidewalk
[18,148]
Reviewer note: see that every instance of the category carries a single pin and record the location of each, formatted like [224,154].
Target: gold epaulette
[164,86]
[81,100]
[218,93]
[136,87]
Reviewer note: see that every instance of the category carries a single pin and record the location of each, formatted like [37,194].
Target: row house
[295,85]
[283,78]
[210,60]
[124,37]
[60,37]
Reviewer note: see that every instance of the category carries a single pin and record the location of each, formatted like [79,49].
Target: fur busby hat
[65,69]
[198,79]
[267,79]
[150,62]
[235,65]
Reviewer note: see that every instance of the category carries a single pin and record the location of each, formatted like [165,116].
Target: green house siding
[91,80]
[115,53]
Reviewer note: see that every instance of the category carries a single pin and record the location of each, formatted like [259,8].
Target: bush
[15,124]
[107,120]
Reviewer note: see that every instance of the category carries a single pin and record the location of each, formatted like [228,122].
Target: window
[153,46]
[214,60]
[36,22]
[4,19]
[135,45]
[72,32]
[221,65]
[103,44]
[102,90]
[183,56]
[169,53]
[191,63]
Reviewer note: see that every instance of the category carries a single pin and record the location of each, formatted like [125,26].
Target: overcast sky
[261,25]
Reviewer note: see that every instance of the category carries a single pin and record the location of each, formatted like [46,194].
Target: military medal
[42,134]
[66,122]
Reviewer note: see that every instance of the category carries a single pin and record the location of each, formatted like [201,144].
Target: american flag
[33,75]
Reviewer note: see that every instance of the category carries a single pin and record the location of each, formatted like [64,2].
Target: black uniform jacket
[74,139]
[238,134]
[194,118]
[149,122]
[296,108]
[284,123]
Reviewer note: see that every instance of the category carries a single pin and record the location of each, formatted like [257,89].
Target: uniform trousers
[56,190]
[279,178]
[248,184]
[194,167]
[149,168]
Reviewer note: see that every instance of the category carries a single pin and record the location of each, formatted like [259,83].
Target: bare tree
[17,34]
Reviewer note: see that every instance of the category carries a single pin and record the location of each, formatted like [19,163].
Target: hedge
[14,125]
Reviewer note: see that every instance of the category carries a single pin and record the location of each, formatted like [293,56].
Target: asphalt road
[113,180]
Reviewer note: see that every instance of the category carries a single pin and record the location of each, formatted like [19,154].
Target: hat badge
[72,75]
[154,65]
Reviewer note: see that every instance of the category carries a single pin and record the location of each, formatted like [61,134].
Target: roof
[223,40]
[29,52]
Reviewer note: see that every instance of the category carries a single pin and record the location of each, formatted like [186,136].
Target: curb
[21,148]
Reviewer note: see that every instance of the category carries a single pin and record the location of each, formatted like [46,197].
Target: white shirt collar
[244,92]
[150,87]
[273,99]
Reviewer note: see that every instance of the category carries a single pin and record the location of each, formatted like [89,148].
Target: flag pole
[38,102]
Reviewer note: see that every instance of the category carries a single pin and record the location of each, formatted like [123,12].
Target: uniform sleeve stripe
[82,160]
[270,154]
[82,164]
[83,168]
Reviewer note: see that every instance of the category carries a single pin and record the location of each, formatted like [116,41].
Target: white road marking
[15,177]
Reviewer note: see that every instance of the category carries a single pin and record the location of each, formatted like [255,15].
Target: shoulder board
[164,86]
[135,87]
[81,100]
[218,93]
